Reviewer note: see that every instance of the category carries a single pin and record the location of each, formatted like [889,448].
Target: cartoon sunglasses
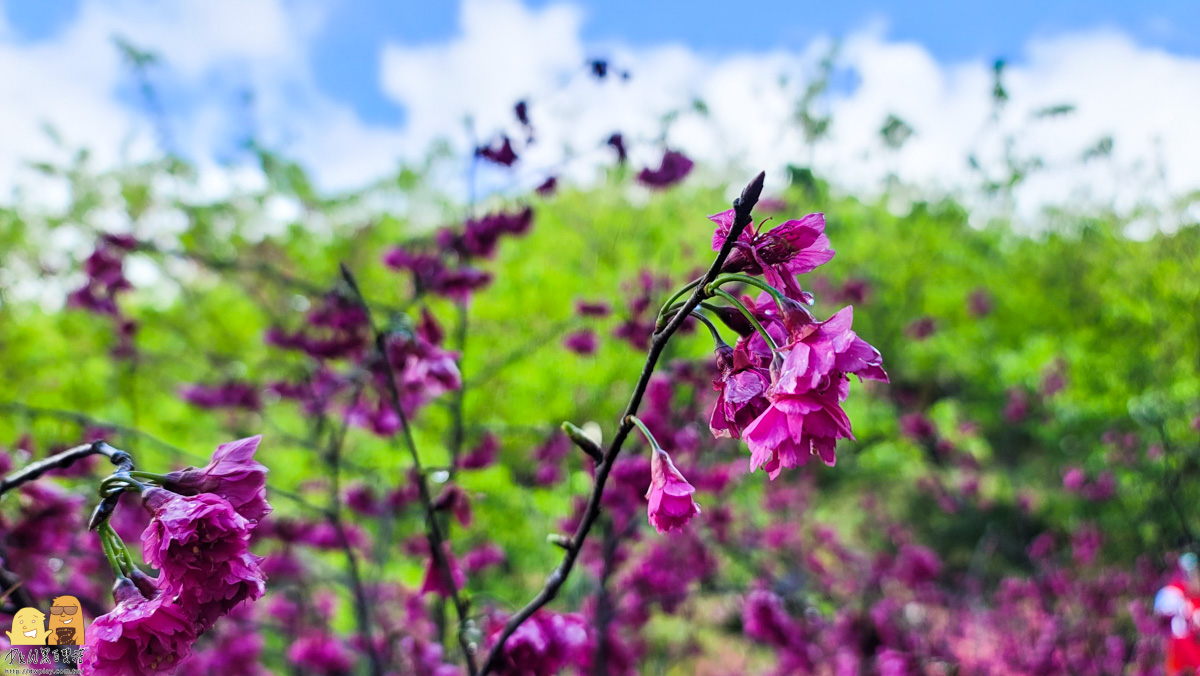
[60,610]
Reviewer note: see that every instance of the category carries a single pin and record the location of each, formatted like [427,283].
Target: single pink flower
[139,636]
[670,495]
[436,579]
[792,248]
[742,388]
[232,474]
[797,426]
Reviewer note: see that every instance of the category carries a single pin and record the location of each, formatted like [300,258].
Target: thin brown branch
[433,529]
[742,210]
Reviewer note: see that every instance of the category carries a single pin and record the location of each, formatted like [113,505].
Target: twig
[433,528]
[67,458]
[362,609]
[742,208]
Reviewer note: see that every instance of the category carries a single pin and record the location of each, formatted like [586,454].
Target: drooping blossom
[917,426]
[670,504]
[483,454]
[587,308]
[499,152]
[455,501]
[1073,479]
[675,166]
[765,619]
[545,645]
[322,654]
[232,648]
[617,143]
[229,394]
[232,474]
[980,303]
[742,388]
[582,342]
[483,557]
[805,417]
[437,580]
[362,499]
[201,545]
[140,635]
[794,247]
[431,274]
[921,328]
[479,237]
[1017,407]
[336,328]
[547,187]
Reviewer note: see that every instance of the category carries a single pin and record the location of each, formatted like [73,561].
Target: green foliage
[1120,319]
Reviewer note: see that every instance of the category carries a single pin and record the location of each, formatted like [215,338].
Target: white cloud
[504,51]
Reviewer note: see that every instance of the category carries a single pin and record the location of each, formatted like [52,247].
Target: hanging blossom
[139,636]
[545,645]
[805,416]
[201,545]
[675,166]
[670,504]
[437,580]
[199,539]
[232,474]
[785,399]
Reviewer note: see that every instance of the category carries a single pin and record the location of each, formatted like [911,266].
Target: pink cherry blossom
[671,505]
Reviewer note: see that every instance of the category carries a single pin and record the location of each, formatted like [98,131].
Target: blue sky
[353,88]
[346,64]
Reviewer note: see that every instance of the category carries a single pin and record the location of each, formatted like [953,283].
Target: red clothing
[1183,647]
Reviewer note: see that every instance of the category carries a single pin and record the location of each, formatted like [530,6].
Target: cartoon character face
[66,622]
[28,628]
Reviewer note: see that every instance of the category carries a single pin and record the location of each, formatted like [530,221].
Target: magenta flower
[201,545]
[805,416]
[617,143]
[479,237]
[764,619]
[229,394]
[789,249]
[436,579]
[795,427]
[139,636]
[547,187]
[322,654]
[483,455]
[587,308]
[921,328]
[500,152]
[917,427]
[742,388]
[673,168]
[582,342]
[545,645]
[483,557]
[1073,479]
[670,495]
[232,474]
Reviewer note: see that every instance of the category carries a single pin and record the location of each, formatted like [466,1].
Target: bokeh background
[1012,193]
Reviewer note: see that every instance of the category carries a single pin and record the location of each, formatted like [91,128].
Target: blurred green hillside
[1118,321]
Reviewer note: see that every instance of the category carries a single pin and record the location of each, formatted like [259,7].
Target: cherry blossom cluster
[198,538]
